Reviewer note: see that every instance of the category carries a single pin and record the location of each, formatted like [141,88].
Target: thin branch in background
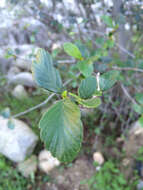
[66,61]
[127,69]
[44,102]
[118,45]
[128,95]
[125,51]
[35,107]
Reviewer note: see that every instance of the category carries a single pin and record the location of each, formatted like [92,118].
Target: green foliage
[108,79]
[139,98]
[138,106]
[61,130]
[83,49]
[10,179]
[91,103]
[6,113]
[46,76]
[107,20]
[10,124]
[109,177]
[61,127]
[141,120]
[139,156]
[85,67]
[72,50]
[88,103]
[87,87]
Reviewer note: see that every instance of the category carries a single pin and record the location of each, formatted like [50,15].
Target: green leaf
[10,124]
[139,98]
[137,108]
[107,20]
[83,49]
[45,75]
[85,68]
[88,103]
[61,130]
[141,120]
[6,113]
[72,50]
[91,103]
[87,87]
[108,79]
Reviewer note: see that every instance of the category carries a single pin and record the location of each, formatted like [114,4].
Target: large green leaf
[61,130]
[85,67]
[87,87]
[72,50]
[108,79]
[45,74]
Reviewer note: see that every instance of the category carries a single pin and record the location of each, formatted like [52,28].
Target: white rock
[98,157]
[13,71]
[71,5]
[16,143]
[56,46]
[29,166]
[23,64]
[19,92]
[23,78]
[47,162]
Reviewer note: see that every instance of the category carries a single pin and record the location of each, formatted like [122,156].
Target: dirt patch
[70,178]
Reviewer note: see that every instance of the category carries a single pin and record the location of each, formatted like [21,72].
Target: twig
[125,51]
[66,61]
[128,95]
[35,107]
[118,45]
[127,69]
[44,102]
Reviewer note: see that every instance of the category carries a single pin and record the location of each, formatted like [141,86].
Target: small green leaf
[45,75]
[10,124]
[72,50]
[91,103]
[139,98]
[107,20]
[6,113]
[108,79]
[88,103]
[137,108]
[87,87]
[64,94]
[141,120]
[61,130]
[83,49]
[85,68]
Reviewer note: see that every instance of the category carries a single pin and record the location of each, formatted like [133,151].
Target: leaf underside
[45,74]
[91,103]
